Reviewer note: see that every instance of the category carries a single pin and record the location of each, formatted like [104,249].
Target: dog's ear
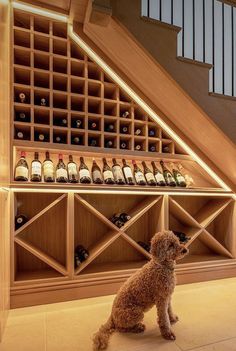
[157,248]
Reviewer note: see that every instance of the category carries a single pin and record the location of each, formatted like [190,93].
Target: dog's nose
[184,251]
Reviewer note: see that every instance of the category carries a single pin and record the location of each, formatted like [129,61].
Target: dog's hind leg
[128,320]
[163,319]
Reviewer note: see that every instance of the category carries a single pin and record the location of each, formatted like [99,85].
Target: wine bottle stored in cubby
[110,127]
[124,217]
[48,169]
[138,147]
[124,129]
[117,221]
[22,98]
[188,178]
[138,174]
[183,238]
[93,125]
[77,123]
[179,178]
[20,135]
[84,173]
[43,101]
[72,170]
[125,114]
[170,181]
[92,142]
[117,171]
[145,246]
[96,173]
[61,171]
[138,131]
[166,149]
[127,173]
[22,169]
[123,145]
[40,137]
[36,169]
[152,148]
[151,132]
[62,122]
[57,139]
[81,254]
[109,143]
[160,180]
[20,220]
[22,117]
[107,173]
[148,174]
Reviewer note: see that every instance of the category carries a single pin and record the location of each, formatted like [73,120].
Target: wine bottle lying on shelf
[166,149]
[84,173]
[109,143]
[92,142]
[128,173]
[188,178]
[43,102]
[22,98]
[48,169]
[123,145]
[93,125]
[22,169]
[138,131]
[22,117]
[138,147]
[72,171]
[124,129]
[40,137]
[77,123]
[61,171]
[152,148]
[160,180]
[119,219]
[150,179]
[62,122]
[183,238]
[20,135]
[125,114]
[151,132]
[169,179]
[81,254]
[96,173]
[118,174]
[76,140]
[179,178]
[109,127]
[36,169]
[20,220]
[107,173]
[138,174]
[144,245]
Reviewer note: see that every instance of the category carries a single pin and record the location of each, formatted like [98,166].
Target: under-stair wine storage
[65,104]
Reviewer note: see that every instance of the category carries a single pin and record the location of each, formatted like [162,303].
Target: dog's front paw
[174,319]
[168,335]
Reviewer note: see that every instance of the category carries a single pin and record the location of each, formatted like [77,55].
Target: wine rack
[49,65]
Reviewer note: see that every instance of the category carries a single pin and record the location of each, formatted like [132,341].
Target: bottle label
[97,175]
[61,173]
[128,173]
[107,175]
[159,177]
[84,173]
[72,169]
[22,171]
[169,178]
[36,168]
[118,174]
[180,178]
[48,169]
[149,176]
[139,176]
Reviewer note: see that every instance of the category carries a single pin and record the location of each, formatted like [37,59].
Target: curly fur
[152,285]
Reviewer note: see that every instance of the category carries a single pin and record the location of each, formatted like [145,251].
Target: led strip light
[92,54]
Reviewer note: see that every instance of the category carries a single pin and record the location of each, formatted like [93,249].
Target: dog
[152,285]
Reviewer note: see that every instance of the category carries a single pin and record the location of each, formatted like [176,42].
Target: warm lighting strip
[39,11]
[144,106]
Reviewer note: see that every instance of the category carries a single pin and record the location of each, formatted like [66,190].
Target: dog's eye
[171,245]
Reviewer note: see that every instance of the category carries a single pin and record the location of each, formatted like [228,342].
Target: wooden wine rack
[48,64]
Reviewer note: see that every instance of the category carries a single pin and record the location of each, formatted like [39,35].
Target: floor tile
[227,345]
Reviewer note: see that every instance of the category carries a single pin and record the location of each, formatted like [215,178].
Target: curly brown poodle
[152,285]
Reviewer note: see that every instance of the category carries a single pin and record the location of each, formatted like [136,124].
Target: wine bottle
[20,220]
[22,117]
[183,238]
[124,129]
[39,137]
[20,135]
[84,173]
[144,246]
[61,171]
[125,114]
[188,178]
[75,140]
[123,145]
[81,254]
[107,173]
[138,174]
[22,98]
[166,149]
[179,178]
[57,139]
[93,125]
[117,221]
[148,174]
[109,143]
[72,171]
[96,173]
[137,131]
[151,132]
[48,169]
[43,101]
[36,169]
[92,142]
[152,148]
[77,123]
[160,180]
[118,174]
[138,147]
[60,122]
[124,217]
[22,169]
[109,127]
[128,173]
[170,181]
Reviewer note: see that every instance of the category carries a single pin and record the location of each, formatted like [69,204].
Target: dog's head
[165,246]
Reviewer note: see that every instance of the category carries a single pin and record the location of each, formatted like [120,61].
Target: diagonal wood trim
[214,244]
[38,215]
[41,255]
[136,245]
[98,214]
[179,209]
[101,245]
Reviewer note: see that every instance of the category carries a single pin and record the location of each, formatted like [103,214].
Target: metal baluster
[172,12]
[194,29]
[160,10]
[148,8]
[232,28]
[183,28]
[213,46]
[204,31]
[223,49]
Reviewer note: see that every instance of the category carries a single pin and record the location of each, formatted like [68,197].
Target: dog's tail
[101,338]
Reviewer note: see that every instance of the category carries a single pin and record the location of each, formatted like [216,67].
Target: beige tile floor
[207,314]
